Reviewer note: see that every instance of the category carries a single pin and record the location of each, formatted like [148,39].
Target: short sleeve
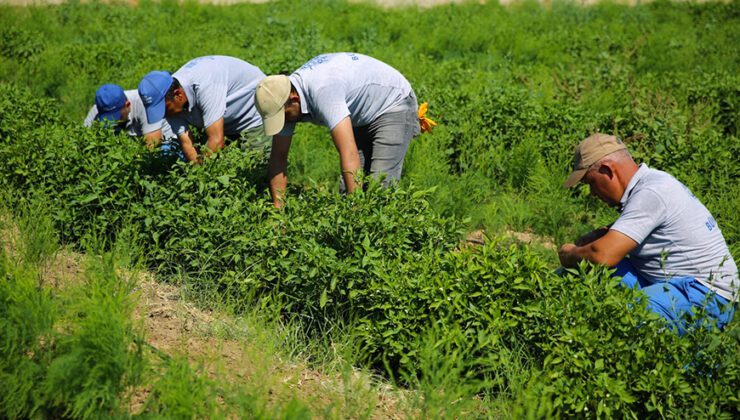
[644,212]
[330,106]
[148,128]
[91,116]
[212,102]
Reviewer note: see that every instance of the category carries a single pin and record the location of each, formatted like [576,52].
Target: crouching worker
[665,242]
[368,106]
[125,111]
[214,93]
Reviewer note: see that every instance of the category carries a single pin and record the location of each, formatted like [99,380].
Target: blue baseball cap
[152,89]
[110,100]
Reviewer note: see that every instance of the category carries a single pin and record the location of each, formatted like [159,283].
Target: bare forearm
[571,254]
[215,144]
[608,250]
[190,153]
[350,165]
[153,139]
[278,179]
[278,185]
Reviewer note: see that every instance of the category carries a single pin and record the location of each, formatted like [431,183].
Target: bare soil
[174,326]
[479,237]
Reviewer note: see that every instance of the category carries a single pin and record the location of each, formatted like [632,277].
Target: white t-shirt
[218,86]
[677,235]
[136,125]
[334,86]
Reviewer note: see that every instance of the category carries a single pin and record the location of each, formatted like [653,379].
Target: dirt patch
[479,237]
[175,326]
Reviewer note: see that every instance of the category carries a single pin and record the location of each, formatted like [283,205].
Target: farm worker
[215,93]
[368,105]
[126,111]
[665,242]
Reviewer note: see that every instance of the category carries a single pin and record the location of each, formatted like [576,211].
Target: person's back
[365,86]
[676,234]
[218,87]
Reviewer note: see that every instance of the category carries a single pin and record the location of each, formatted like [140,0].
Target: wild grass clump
[69,352]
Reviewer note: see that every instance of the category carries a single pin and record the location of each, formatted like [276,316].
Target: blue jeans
[677,297]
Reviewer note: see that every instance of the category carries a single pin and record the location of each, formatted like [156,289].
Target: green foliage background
[514,89]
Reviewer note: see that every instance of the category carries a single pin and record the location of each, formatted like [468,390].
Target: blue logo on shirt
[319,59]
[710,223]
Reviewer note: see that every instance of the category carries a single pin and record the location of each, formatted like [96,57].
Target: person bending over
[368,106]
[215,93]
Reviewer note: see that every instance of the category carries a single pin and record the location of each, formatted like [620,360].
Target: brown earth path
[227,353]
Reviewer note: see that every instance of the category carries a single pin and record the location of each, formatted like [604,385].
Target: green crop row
[382,266]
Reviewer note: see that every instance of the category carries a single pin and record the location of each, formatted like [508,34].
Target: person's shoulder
[655,178]
[665,186]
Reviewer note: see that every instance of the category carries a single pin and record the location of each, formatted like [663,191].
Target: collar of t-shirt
[641,171]
[297,83]
[137,108]
[189,92]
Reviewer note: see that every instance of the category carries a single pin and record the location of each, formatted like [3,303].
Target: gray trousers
[383,143]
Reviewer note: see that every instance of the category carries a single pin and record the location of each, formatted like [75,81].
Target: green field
[381,275]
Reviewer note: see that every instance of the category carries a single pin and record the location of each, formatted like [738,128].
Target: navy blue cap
[110,100]
[152,90]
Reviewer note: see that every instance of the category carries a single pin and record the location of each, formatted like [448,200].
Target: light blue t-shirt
[676,234]
[218,86]
[334,86]
[137,124]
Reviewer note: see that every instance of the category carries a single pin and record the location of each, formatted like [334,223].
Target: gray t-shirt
[136,125]
[334,86]
[218,86]
[677,235]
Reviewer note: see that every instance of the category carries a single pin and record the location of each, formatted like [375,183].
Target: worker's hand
[567,256]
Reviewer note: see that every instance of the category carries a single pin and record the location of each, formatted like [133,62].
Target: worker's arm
[349,157]
[277,169]
[186,143]
[153,139]
[215,133]
[608,250]
[592,236]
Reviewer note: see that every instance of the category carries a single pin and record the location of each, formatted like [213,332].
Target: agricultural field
[378,293]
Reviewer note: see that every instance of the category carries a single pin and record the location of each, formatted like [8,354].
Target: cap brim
[574,178]
[274,123]
[155,112]
[109,116]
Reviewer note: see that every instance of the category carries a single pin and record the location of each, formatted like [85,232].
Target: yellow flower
[425,123]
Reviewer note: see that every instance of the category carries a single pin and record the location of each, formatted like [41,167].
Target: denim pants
[675,298]
[383,143]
